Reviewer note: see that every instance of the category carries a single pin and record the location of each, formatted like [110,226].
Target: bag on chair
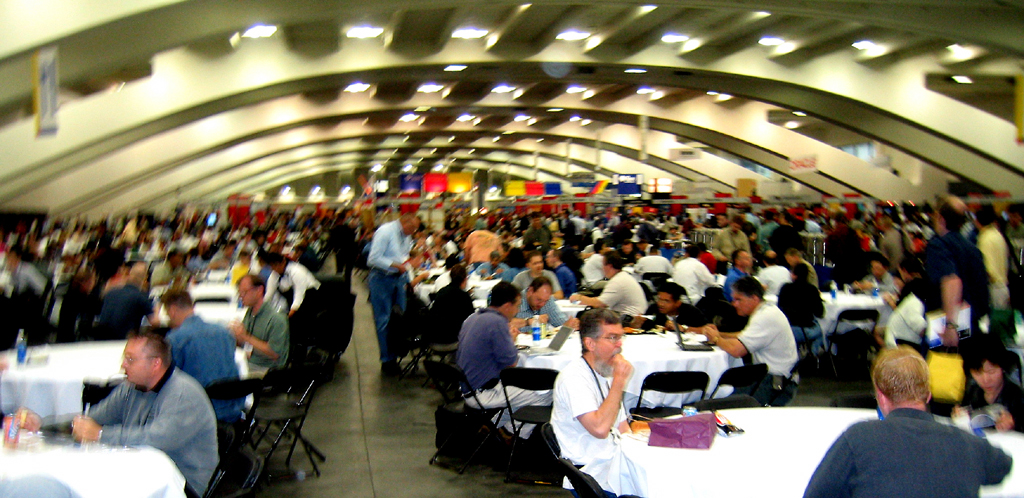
[946,376]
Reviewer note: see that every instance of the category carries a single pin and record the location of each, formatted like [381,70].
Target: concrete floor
[378,433]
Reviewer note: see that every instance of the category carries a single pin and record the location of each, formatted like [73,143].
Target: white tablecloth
[55,387]
[775,457]
[97,471]
[648,354]
[477,287]
[845,301]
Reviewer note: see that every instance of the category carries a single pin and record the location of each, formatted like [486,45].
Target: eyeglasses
[131,360]
[613,338]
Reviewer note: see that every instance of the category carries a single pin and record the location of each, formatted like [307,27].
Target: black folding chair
[744,378]
[530,379]
[656,278]
[547,431]
[727,403]
[448,379]
[285,403]
[852,346]
[235,434]
[584,485]
[672,383]
[238,473]
[94,393]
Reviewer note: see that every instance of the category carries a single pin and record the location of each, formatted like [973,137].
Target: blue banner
[411,182]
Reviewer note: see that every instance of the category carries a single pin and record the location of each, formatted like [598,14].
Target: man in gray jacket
[158,406]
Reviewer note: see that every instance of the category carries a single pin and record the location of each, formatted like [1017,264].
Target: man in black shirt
[672,311]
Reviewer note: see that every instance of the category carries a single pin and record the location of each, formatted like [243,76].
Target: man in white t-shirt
[588,416]
[767,337]
[654,262]
[622,293]
[773,276]
[692,274]
[593,267]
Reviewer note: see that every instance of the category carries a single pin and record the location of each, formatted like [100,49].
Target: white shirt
[770,340]
[773,278]
[296,278]
[577,392]
[593,269]
[624,295]
[694,277]
[907,322]
[653,264]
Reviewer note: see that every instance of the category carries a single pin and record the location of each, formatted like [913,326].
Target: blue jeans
[809,334]
[387,290]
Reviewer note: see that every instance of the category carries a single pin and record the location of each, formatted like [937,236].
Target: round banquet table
[98,471]
[780,449]
[54,387]
[845,301]
[477,287]
[648,354]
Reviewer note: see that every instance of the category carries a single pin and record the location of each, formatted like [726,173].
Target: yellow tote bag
[946,376]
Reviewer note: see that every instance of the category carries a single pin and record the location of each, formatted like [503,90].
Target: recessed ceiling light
[960,52]
[495,139]
[260,31]
[575,89]
[539,140]
[712,93]
[585,122]
[674,38]
[691,45]
[644,90]
[555,109]
[408,117]
[965,80]
[507,132]
[771,41]
[438,167]
[430,88]
[531,121]
[407,168]
[762,13]
[521,117]
[589,93]
[574,119]
[572,35]
[454,68]
[645,9]
[799,113]
[635,70]
[364,32]
[357,87]
[722,97]
[864,45]
[503,89]
[469,33]
[422,108]
[792,124]
[657,95]
[377,167]
[465,117]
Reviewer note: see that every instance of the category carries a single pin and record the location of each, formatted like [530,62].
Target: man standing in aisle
[957,267]
[389,253]
[996,255]
[588,416]
[728,240]
[537,236]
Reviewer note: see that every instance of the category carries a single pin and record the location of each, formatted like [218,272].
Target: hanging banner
[412,182]
[552,188]
[435,182]
[459,183]
[534,188]
[629,184]
[515,188]
[800,165]
[599,187]
[44,90]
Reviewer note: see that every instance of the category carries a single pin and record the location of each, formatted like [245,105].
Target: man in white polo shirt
[622,293]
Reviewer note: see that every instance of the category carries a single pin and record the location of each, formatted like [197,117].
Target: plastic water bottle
[833,289]
[535,328]
[22,346]
[874,292]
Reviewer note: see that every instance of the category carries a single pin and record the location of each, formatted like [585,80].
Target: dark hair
[693,250]
[255,280]
[156,345]
[673,289]
[986,215]
[800,272]
[912,266]
[614,259]
[534,254]
[515,259]
[539,282]
[176,298]
[736,254]
[592,321]
[273,258]
[702,247]
[792,251]
[458,274]
[502,294]
[598,245]
[984,348]
[954,217]
[748,286]
[877,256]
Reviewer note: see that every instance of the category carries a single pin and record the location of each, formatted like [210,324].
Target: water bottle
[535,328]
[874,292]
[833,289]
[22,346]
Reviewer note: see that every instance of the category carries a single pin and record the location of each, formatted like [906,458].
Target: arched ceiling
[161,107]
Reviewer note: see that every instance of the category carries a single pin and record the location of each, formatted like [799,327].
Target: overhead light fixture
[657,95]
[285,190]
[430,88]
[572,35]
[531,121]
[575,89]
[376,168]
[346,189]
[555,109]
[712,93]
[438,167]
[454,68]
[962,79]
[674,38]
[477,121]
[762,13]
[422,108]
[364,32]
[493,189]
[315,190]
[574,119]
[635,70]
[520,118]
[451,139]
[792,124]
[864,45]
[469,33]
[503,88]
[799,113]
[260,31]
[589,93]
[465,117]
[691,45]
[357,87]
[645,90]
[539,140]
[585,122]
[771,41]
[646,9]
[960,52]
[722,97]
[495,139]
[407,168]
[508,132]
[409,117]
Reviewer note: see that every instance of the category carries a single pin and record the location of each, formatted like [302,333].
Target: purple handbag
[696,432]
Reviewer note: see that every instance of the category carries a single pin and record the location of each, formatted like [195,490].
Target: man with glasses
[262,328]
[159,406]
[588,416]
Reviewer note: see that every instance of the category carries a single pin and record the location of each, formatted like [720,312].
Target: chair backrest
[857,315]
[746,375]
[547,431]
[298,380]
[674,382]
[236,475]
[94,393]
[855,401]
[584,485]
[531,379]
[734,401]
[656,278]
[447,379]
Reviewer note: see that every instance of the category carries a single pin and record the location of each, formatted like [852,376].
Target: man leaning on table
[159,406]
[622,293]
[538,300]
[908,453]
[262,327]
[588,416]
[767,337]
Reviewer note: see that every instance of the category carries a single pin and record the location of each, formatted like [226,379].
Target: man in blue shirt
[205,351]
[566,278]
[493,268]
[742,263]
[389,254]
[124,307]
[538,301]
[957,268]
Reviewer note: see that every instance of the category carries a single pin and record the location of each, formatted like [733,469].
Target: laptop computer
[555,345]
[691,347]
[937,324]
